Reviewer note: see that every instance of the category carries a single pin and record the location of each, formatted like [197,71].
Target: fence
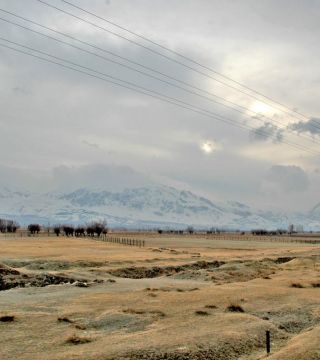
[264,238]
[122,241]
[118,239]
[104,237]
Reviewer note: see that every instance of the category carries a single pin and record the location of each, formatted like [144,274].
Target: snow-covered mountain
[148,206]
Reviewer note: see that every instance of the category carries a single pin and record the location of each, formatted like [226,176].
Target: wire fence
[137,238]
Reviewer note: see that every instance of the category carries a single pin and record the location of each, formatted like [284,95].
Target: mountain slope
[148,206]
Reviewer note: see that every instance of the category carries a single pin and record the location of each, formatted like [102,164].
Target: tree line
[95,228]
[8,226]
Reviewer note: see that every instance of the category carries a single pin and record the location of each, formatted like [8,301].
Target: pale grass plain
[181,314]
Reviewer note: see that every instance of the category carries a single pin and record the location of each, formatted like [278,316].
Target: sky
[62,128]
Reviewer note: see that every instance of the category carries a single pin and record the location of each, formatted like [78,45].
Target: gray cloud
[52,117]
[288,178]
[267,131]
[311,126]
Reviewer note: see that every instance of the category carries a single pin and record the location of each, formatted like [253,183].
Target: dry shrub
[152,295]
[157,312]
[201,313]
[65,319]
[80,327]
[297,285]
[211,307]
[7,318]
[133,311]
[315,285]
[235,308]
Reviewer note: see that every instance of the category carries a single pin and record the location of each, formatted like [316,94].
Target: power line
[150,93]
[141,72]
[181,56]
[288,111]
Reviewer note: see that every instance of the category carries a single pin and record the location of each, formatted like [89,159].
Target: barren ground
[179,297]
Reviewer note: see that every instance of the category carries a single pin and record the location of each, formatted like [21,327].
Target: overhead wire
[142,72]
[180,55]
[148,92]
[164,56]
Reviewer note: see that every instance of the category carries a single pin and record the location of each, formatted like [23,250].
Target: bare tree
[34,229]
[57,230]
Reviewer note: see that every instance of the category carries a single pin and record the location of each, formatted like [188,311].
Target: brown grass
[78,340]
[158,320]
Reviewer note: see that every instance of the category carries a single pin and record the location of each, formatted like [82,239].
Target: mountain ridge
[145,206]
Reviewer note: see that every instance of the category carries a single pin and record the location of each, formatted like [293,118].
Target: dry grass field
[179,297]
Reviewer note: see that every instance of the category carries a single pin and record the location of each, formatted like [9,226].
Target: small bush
[180,290]
[80,327]
[7,318]
[297,285]
[158,313]
[152,295]
[133,311]
[315,285]
[111,281]
[235,308]
[210,306]
[201,313]
[65,319]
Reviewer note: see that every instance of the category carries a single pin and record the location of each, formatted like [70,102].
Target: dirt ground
[179,297]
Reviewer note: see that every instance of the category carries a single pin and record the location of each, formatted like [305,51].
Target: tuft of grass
[80,327]
[235,308]
[297,285]
[7,318]
[65,319]
[315,285]
[201,313]
[158,313]
[211,307]
[77,340]
[133,311]
[152,295]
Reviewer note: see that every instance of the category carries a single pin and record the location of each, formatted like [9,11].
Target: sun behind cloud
[208,147]
[261,108]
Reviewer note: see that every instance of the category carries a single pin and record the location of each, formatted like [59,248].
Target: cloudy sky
[57,124]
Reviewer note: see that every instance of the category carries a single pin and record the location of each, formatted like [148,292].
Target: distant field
[179,297]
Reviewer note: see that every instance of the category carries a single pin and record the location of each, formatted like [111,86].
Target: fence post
[268,345]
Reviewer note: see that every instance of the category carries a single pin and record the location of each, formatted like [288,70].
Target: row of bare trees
[8,226]
[96,228]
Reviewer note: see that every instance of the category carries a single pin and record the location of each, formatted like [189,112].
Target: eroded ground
[183,297]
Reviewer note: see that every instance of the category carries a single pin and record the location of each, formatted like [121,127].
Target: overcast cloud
[58,125]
